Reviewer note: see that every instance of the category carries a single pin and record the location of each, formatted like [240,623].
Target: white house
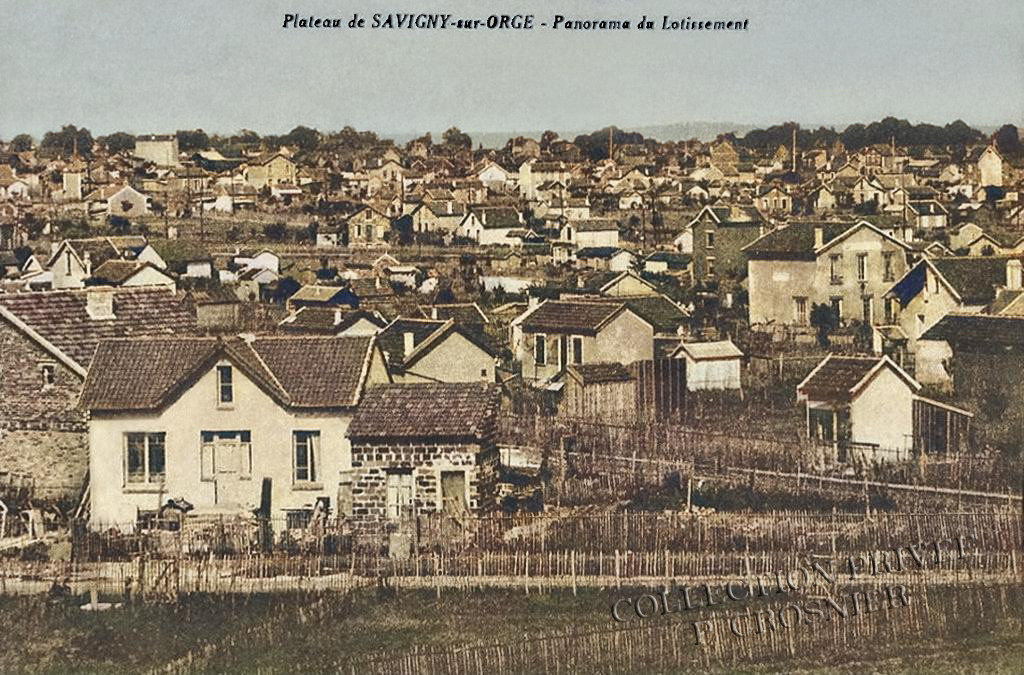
[210,420]
[861,406]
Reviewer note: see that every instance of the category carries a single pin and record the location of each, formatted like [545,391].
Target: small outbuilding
[424,448]
[711,365]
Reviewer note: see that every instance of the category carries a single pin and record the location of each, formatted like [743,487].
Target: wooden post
[689,493]
[572,563]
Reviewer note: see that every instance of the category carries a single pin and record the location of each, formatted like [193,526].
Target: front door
[227,461]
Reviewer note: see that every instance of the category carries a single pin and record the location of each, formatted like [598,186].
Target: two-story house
[932,289]
[555,334]
[213,420]
[848,266]
[272,168]
[719,234]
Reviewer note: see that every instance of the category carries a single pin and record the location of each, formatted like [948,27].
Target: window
[67,263]
[225,388]
[540,350]
[800,309]
[709,239]
[144,462]
[48,374]
[307,455]
[224,452]
[399,493]
[835,269]
[867,303]
[891,310]
[837,307]
[711,267]
[888,271]
[862,267]
[577,350]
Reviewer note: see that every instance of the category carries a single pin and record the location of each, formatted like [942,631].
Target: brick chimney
[99,303]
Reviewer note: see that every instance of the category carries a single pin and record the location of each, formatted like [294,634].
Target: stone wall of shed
[371,462]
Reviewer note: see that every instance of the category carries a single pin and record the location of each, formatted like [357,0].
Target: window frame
[540,349]
[800,310]
[48,374]
[399,491]
[862,267]
[888,266]
[835,269]
[149,479]
[227,368]
[709,270]
[709,239]
[312,466]
[576,350]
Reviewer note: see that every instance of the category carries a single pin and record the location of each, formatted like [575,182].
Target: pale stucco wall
[455,359]
[197,410]
[883,413]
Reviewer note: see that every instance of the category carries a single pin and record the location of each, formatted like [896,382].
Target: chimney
[819,236]
[409,342]
[448,205]
[1014,274]
[99,303]
[87,263]
[337,317]
[433,313]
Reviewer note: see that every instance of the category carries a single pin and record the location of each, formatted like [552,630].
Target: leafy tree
[21,143]
[118,141]
[193,140]
[307,139]
[547,138]
[595,144]
[1007,140]
[454,138]
[68,140]
[824,320]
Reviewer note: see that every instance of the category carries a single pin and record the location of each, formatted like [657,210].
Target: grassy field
[297,633]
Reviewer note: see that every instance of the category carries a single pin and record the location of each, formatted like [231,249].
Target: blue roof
[910,285]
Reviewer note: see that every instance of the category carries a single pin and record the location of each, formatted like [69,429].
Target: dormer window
[225,385]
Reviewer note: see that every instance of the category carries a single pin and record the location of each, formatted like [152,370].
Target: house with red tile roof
[212,420]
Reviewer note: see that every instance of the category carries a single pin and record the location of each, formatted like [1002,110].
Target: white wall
[195,411]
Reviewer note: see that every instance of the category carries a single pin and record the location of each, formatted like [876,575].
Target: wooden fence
[679,443]
[934,614]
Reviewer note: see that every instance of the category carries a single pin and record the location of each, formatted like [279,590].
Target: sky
[147,66]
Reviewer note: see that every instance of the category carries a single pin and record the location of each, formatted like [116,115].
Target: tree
[193,140]
[547,138]
[824,320]
[307,139]
[67,141]
[119,141]
[1007,140]
[21,143]
[454,138]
